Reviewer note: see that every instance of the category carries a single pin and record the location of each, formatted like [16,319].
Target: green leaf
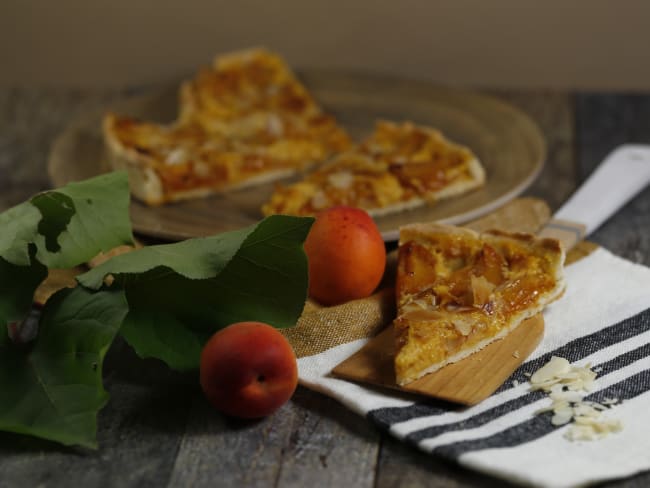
[58,229]
[53,389]
[179,294]
[82,219]
[194,258]
[17,285]
[19,226]
[51,385]
[70,225]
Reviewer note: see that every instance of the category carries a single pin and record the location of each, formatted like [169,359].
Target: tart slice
[457,291]
[253,96]
[168,163]
[400,166]
[246,120]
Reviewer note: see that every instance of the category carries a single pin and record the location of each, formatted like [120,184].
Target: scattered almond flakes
[589,428]
[515,354]
[567,386]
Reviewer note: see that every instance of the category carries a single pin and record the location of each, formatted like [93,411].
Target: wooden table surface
[157,430]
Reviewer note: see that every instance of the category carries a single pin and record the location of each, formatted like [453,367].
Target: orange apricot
[346,254]
[248,370]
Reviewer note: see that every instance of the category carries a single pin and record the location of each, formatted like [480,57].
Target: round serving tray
[507,142]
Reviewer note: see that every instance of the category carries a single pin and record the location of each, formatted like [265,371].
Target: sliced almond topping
[275,126]
[567,386]
[319,200]
[563,415]
[177,156]
[415,305]
[464,326]
[481,290]
[552,372]
[341,180]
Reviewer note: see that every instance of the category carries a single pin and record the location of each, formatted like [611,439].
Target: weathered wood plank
[311,441]
[605,121]
[330,445]
[403,465]
[139,433]
[219,451]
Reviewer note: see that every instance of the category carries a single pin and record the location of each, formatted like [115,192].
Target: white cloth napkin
[602,319]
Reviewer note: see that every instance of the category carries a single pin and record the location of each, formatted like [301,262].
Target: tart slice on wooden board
[458,291]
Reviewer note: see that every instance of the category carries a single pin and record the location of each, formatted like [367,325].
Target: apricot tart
[400,166]
[458,291]
[244,121]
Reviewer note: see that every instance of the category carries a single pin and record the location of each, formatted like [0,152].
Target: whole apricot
[346,254]
[248,370]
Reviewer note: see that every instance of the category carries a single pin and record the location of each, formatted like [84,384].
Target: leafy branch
[165,300]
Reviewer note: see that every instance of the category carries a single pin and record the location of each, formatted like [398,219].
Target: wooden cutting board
[475,378]
[468,381]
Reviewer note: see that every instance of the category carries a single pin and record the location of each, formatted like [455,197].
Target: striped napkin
[603,320]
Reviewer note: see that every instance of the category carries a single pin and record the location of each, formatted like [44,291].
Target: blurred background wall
[586,44]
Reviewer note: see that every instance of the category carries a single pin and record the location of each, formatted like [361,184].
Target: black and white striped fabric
[603,320]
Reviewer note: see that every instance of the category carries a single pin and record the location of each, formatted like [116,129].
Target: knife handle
[621,175]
